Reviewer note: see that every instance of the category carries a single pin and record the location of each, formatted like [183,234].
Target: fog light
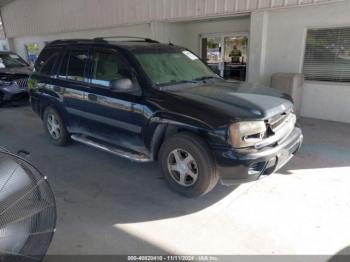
[256,168]
[270,167]
[271,163]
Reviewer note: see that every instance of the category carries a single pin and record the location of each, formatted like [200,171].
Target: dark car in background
[147,101]
[14,74]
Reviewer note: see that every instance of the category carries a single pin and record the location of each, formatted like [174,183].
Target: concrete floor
[108,205]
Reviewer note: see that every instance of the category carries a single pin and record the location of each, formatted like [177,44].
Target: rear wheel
[55,127]
[188,166]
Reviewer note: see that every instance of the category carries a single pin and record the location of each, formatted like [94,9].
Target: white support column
[7,45]
[257,46]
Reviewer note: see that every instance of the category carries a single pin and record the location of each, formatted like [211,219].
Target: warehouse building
[245,40]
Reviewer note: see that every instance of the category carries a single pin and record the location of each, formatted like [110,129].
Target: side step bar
[110,149]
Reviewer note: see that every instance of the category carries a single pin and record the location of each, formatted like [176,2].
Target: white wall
[330,101]
[187,34]
[34,17]
[195,29]
[4,45]
[143,30]
[175,33]
[283,38]
[180,33]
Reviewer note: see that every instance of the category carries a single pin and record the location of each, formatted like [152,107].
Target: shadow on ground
[342,256]
[123,191]
[95,190]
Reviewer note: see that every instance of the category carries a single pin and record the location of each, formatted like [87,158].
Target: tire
[175,160]
[57,133]
[1,99]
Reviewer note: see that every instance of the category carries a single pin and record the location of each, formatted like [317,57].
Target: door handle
[92,97]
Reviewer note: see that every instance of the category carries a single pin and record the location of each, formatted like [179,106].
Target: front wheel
[1,99]
[188,166]
[55,127]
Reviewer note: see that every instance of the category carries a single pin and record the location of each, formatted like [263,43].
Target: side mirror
[122,85]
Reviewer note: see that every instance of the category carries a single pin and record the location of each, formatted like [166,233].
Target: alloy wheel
[53,126]
[182,167]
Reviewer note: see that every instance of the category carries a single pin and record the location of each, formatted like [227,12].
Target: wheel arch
[167,128]
[44,104]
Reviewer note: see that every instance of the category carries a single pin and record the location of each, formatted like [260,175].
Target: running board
[110,149]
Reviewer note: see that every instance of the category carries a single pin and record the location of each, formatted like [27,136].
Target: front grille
[283,123]
[275,122]
[22,83]
[278,128]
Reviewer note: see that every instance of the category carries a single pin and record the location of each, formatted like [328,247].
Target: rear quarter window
[47,61]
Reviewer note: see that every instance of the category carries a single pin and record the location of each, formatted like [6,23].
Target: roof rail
[70,41]
[127,37]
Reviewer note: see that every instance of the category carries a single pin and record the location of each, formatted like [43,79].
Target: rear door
[42,82]
[72,81]
[116,117]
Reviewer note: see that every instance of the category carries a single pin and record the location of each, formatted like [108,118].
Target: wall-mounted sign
[33,51]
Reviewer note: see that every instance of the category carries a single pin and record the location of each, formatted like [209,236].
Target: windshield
[11,61]
[173,67]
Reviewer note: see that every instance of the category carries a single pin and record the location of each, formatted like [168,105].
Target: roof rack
[149,40]
[70,41]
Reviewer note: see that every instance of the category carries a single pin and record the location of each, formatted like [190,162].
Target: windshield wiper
[176,82]
[202,78]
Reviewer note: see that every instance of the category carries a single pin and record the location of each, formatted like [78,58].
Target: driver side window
[108,67]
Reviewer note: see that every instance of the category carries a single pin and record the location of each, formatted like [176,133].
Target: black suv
[147,101]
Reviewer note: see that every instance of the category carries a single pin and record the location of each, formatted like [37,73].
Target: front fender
[180,120]
[166,124]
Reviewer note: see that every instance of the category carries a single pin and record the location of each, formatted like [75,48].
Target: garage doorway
[226,54]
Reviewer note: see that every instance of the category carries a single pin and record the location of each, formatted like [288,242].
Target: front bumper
[14,94]
[240,166]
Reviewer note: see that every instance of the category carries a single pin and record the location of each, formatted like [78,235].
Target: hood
[26,70]
[239,101]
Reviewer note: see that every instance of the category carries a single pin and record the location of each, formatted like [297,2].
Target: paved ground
[108,205]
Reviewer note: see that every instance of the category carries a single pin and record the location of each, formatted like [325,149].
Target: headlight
[5,83]
[246,134]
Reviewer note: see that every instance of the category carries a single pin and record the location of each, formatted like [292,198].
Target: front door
[115,117]
[226,54]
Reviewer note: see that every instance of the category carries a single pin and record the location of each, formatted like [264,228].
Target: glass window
[236,48]
[47,61]
[44,55]
[107,68]
[62,73]
[76,65]
[172,67]
[327,55]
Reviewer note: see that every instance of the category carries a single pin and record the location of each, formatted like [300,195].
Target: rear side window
[47,60]
[76,65]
